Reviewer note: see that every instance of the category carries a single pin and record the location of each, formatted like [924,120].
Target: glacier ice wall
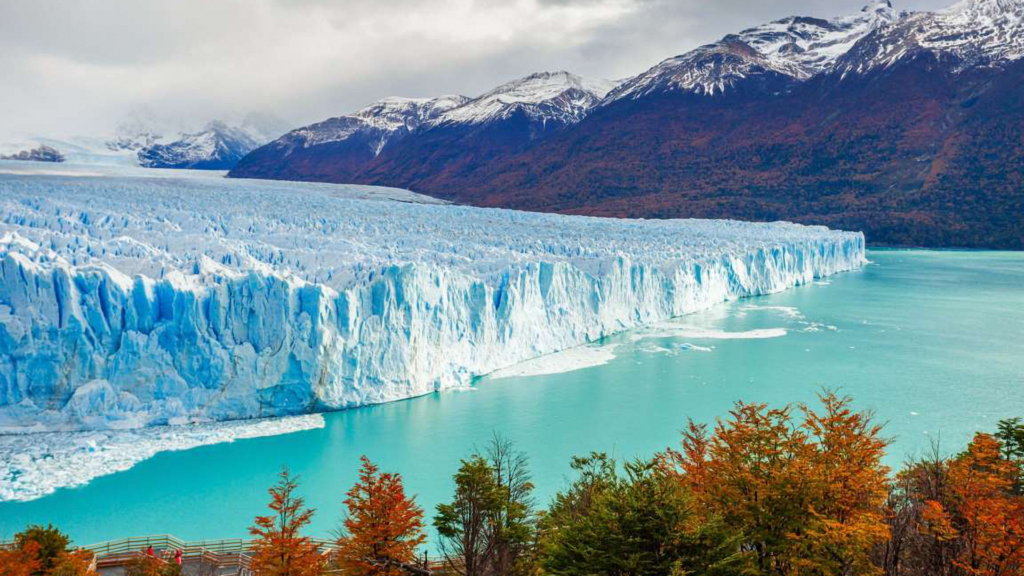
[127,301]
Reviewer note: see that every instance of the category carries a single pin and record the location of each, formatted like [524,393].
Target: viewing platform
[231,557]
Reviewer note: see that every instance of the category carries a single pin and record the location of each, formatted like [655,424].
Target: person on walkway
[177,557]
[150,551]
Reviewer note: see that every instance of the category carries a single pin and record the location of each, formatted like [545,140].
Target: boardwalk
[199,558]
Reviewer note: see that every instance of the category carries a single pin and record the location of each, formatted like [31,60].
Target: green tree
[466,523]
[1011,435]
[513,528]
[595,475]
[639,524]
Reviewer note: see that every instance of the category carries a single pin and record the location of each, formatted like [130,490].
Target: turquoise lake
[932,342]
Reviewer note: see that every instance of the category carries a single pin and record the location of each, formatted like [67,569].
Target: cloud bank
[80,66]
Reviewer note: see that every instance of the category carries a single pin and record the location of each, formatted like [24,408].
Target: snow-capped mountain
[374,126]
[780,121]
[548,97]
[507,116]
[968,34]
[146,139]
[791,49]
[216,147]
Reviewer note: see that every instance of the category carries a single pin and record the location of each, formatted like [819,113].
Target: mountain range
[147,140]
[908,126]
[217,146]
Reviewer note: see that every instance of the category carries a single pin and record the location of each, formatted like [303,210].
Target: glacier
[130,301]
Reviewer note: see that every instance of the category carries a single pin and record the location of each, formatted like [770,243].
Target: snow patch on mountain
[558,97]
[129,302]
[794,48]
[973,32]
[550,98]
[216,147]
[377,125]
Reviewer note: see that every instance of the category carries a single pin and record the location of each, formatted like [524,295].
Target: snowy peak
[372,127]
[217,146]
[795,48]
[544,96]
[988,8]
[556,97]
[397,113]
[972,32]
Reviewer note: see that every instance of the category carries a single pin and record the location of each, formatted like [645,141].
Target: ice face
[131,301]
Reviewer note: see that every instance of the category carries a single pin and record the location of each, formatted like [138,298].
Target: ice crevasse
[128,302]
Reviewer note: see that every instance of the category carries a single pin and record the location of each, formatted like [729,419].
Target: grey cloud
[78,66]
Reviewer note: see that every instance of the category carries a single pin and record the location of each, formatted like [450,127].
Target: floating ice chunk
[560,362]
[786,311]
[673,330]
[695,348]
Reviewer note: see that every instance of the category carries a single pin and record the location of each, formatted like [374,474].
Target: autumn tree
[52,544]
[383,527]
[849,491]
[20,560]
[980,511]
[44,551]
[806,494]
[279,548]
[145,565]
[79,563]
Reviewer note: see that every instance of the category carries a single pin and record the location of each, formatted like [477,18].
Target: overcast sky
[80,66]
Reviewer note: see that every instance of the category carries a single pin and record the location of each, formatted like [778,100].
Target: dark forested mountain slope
[909,127]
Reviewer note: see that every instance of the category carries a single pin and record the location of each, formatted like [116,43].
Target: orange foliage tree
[145,565]
[279,549]
[383,527]
[850,488]
[77,563]
[979,513]
[806,497]
[44,551]
[20,560]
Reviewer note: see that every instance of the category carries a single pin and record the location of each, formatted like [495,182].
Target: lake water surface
[932,342]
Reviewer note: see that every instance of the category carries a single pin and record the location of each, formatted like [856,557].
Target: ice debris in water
[34,465]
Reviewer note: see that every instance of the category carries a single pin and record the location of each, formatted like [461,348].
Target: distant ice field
[131,300]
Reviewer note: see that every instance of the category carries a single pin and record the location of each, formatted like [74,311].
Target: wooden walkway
[200,558]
